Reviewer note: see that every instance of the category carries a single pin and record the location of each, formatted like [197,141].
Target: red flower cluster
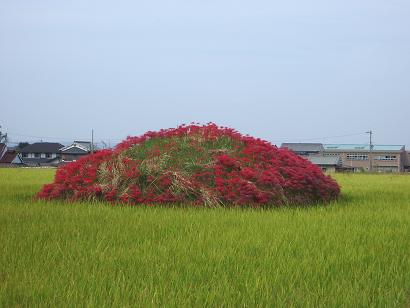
[195,164]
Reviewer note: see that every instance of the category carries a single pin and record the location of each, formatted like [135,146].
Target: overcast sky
[279,70]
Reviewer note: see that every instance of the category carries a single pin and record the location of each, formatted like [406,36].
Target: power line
[320,138]
[41,137]
[56,138]
[303,139]
[103,143]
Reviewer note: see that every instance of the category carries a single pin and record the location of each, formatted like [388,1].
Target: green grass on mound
[354,252]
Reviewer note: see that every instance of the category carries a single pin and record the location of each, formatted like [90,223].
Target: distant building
[9,157]
[356,157]
[305,149]
[407,162]
[384,158]
[314,153]
[75,150]
[327,163]
[42,154]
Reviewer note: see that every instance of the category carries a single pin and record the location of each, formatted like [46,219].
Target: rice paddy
[353,252]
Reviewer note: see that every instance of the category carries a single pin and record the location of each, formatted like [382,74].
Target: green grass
[352,253]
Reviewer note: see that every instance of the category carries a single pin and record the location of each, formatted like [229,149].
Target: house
[42,154]
[11,158]
[304,149]
[75,150]
[381,158]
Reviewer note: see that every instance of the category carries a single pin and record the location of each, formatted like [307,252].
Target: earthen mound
[192,164]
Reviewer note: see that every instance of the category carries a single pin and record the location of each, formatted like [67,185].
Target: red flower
[195,164]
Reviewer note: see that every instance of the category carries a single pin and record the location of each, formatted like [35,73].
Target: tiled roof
[8,157]
[74,150]
[85,144]
[78,147]
[40,161]
[42,147]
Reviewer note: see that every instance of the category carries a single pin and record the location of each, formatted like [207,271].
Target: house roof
[363,147]
[85,144]
[40,161]
[78,147]
[325,160]
[42,147]
[74,150]
[8,157]
[303,147]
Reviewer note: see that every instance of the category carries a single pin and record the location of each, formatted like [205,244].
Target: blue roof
[362,147]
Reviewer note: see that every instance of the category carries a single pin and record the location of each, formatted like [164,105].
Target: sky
[284,71]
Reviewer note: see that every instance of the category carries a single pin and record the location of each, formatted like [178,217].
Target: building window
[25,155]
[37,155]
[331,154]
[387,169]
[355,156]
[48,155]
[386,157]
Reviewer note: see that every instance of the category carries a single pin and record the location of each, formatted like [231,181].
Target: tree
[3,136]
[22,145]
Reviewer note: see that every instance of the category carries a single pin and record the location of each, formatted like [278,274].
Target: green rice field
[351,253]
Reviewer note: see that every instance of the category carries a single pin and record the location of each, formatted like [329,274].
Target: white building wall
[16,160]
[42,155]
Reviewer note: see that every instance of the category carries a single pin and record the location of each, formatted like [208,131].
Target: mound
[205,165]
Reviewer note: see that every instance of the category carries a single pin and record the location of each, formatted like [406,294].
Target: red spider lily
[197,164]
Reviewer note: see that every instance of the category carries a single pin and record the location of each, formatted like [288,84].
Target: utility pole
[370,150]
[92,141]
